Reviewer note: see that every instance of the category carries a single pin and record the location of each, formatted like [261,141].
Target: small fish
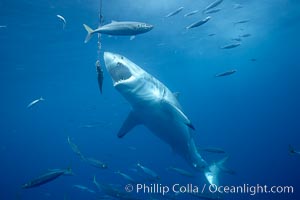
[63,20]
[112,191]
[212,5]
[213,150]
[242,21]
[99,75]
[124,28]
[125,176]
[148,171]
[212,34]
[253,59]
[47,177]
[226,73]
[213,11]
[191,13]
[293,151]
[96,183]
[3,26]
[174,12]
[246,35]
[84,188]
[198,23]
[230,46]
[75,148]
[95,163]
[34,102]
[237,39]
[181,171]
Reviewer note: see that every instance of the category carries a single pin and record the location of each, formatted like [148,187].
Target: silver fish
[246,35]
[230,46]
[119,28]
[112,191]
[191,13]
[84,188]
[181,171]
[242,21]
[125,176]
[47,177]
[227,73]
[198,23]
[75,148]
[212,5]
[34,102]
[293,151]
[174,12]
[63,20]
[95,163]
[148,171]
[212,150]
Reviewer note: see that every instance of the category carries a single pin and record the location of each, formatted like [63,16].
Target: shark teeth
[123,80]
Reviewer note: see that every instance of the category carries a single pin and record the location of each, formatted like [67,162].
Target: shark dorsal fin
[130,122]
[175,111]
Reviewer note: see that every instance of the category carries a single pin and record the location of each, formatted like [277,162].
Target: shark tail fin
[90,31]
[69,171]
[212,172]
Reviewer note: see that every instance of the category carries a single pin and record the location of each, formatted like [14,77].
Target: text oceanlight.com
[191,188]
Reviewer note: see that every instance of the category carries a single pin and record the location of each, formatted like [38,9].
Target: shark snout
[108,59]
[117,67]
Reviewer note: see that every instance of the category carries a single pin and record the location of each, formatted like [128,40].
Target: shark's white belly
[170,130]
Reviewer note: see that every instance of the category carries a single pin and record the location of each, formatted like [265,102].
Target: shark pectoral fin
[175,111]
[191,126]
[130,122]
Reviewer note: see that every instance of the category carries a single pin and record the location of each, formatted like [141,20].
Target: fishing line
[99,46]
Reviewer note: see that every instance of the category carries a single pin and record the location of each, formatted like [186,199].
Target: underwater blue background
[253,114]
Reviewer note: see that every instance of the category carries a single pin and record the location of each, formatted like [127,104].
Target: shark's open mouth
[119,73]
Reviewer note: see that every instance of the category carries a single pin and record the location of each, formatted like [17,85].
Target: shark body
[154,106]
[157,108]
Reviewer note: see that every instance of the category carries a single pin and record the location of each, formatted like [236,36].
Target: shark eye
[122,57]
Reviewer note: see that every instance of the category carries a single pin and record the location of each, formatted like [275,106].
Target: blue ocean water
[252,114]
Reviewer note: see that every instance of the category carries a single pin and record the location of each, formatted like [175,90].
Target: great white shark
[157,108]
